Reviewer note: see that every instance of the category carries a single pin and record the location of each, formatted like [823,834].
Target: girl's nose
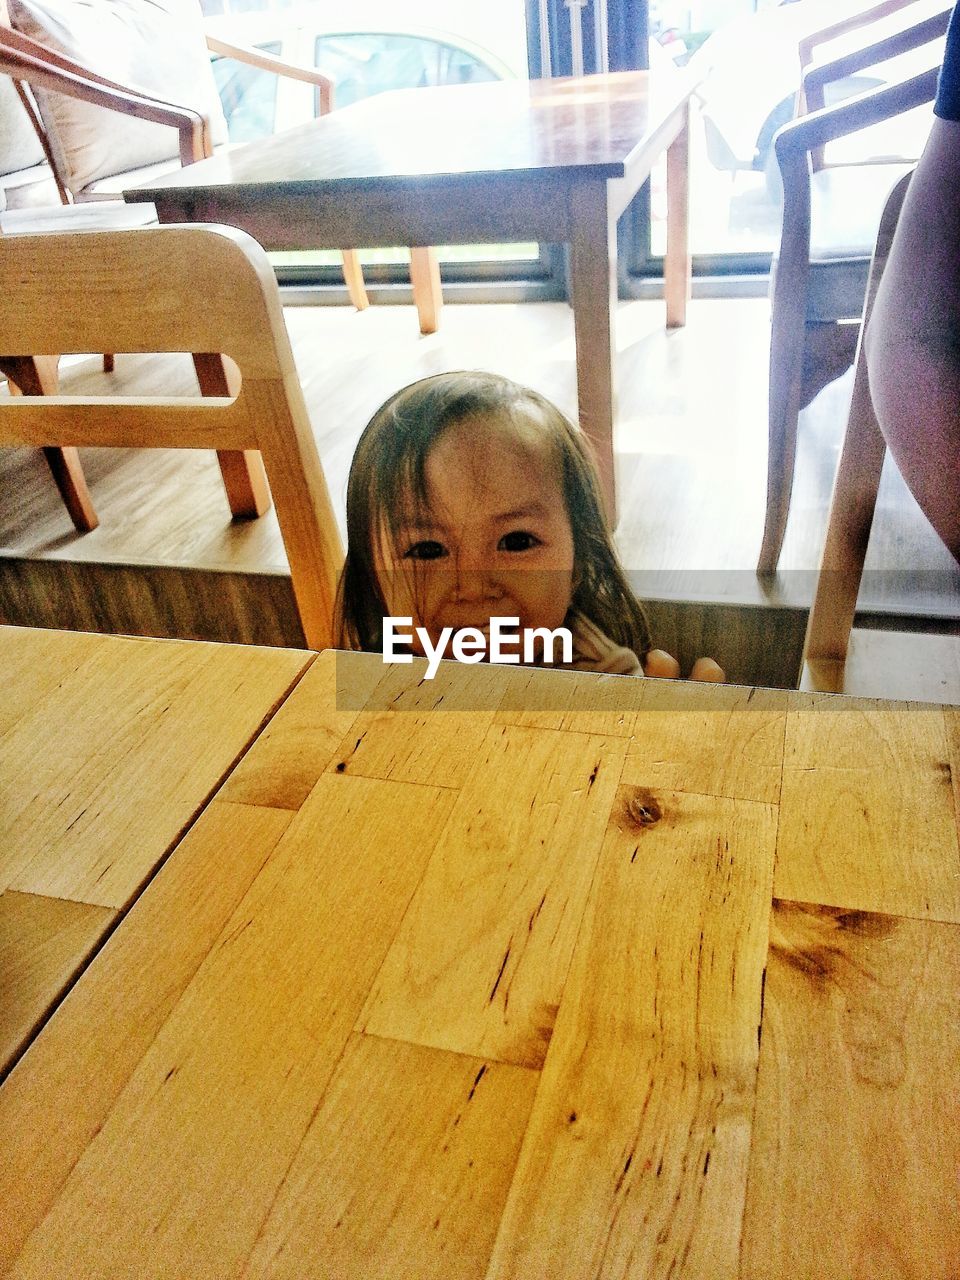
[472,582]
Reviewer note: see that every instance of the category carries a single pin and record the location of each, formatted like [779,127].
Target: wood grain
[635,1161]
[593,127]
[303,738]
[44,943]
[103,773]
[867,818]
[108,1021]
[419,730]
[266,1016]
[490,987]
[727,741]
[531,1020]
[579,702]
[447,1127]
[856,1148]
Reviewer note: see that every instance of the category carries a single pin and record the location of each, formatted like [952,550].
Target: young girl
[471,497]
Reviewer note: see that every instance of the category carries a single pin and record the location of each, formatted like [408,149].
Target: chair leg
[857,484]
[244,477]
[848,529]
[786,375]
[37,376]
[68,476]
[353,277]
[427,293]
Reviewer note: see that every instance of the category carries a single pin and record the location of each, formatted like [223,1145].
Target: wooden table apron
[268,189]
[525,974]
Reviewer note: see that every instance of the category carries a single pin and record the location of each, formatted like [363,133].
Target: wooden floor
[690,450]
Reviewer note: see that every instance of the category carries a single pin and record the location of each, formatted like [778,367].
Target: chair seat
[845,205]
[77,217]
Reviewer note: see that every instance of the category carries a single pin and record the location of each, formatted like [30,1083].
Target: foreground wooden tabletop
[109,748]
[519,973]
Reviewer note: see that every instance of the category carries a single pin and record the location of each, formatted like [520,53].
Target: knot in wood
[643,808]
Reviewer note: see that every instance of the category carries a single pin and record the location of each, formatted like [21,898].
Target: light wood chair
[246,486]
[39,69]
[817,291]
[27,178]
[854,495]
[74,293]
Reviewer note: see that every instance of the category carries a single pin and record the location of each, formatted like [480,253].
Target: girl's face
[495,540]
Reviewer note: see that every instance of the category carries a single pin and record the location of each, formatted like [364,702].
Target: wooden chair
[65,89]
[49,282]
[854,495]
[247,491]
[26,176]
[817,291]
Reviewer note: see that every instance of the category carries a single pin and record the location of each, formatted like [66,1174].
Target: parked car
[753,74]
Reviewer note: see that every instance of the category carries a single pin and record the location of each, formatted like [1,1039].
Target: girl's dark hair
[388,470]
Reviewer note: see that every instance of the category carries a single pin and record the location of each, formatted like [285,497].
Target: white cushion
[19,145]
[154,46]
[111,188]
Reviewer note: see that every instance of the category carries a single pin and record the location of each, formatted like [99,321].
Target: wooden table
[550,160]
[518,973]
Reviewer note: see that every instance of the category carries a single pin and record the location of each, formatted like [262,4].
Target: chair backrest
[196,289]
[156,49]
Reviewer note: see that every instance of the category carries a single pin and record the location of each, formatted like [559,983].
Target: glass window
[749,52]
[248,96]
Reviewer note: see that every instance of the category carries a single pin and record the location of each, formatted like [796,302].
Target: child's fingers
[659,664]
[707,669]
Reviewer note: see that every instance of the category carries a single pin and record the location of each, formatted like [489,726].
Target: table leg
[593,260]
[425,282]
[676,267]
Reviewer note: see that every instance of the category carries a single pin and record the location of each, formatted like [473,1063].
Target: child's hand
[659,665]
[707,669]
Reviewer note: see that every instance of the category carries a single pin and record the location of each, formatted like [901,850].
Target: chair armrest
[912,37]
[807,44]
[267,62]
[20,59]
[798,137]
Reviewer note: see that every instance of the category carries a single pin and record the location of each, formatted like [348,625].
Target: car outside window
[362,64]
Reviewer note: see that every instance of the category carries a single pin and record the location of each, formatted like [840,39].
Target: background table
[521,973]
[549,160]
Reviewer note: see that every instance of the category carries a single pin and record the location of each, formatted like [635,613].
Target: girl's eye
[426,550]
[518,540]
